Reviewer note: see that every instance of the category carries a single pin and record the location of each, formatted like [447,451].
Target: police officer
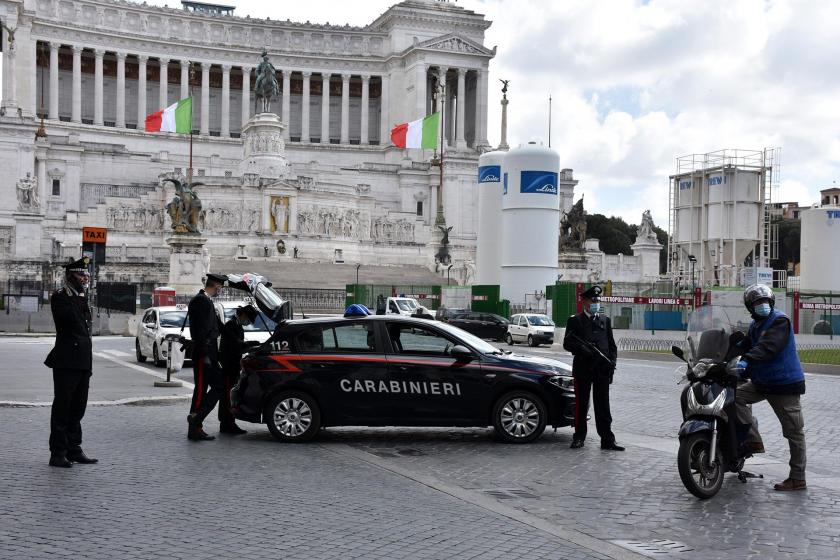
[772,363]
[589,338]
[204,333]
[231,348]
[71,360]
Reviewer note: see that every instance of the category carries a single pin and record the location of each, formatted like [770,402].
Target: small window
[392,306]
[419,207]
[311,340]
[409,339]
[355,337]
[56,187]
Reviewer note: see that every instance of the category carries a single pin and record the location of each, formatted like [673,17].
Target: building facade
[91,70]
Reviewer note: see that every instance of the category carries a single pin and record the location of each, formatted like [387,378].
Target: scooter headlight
[700,369]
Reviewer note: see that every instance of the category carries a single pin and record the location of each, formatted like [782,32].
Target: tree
[789,232]
[616,236]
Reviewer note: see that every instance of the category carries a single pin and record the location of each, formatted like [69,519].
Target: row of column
[204,120]
[460,94]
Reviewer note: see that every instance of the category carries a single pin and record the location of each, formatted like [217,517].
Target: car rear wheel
[140,357]
[509,339]
[293,417]
[519,417]
[156,357]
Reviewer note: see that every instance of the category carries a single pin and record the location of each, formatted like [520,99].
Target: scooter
[711,437]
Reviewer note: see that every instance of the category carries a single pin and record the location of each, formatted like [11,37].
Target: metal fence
[808,353]
[303,299]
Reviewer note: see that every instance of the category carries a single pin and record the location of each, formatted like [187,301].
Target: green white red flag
[420,134]
[175,118]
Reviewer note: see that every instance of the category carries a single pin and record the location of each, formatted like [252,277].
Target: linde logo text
[489,173]
[543,182]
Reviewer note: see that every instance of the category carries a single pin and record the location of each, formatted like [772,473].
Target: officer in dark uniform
[204,334]
[589,338]
[71,360]
[231,348]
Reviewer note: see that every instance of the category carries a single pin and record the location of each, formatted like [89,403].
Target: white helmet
[757,292]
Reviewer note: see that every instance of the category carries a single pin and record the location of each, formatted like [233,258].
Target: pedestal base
[169,384]
[186,262]
[573,267]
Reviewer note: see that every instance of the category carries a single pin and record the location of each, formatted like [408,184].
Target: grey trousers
[788,410]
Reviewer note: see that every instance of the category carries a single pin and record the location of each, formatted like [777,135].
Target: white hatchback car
[533,328]
[158,322]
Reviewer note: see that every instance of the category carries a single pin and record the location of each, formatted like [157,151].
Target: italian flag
[421,133]
[175,118]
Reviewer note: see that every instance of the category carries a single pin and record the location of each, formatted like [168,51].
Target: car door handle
[402,368]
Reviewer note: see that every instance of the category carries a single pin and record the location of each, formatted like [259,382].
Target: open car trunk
[259,288]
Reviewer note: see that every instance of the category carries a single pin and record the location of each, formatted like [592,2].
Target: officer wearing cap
[231,348]
[204,334]
[71,360]
[589,338]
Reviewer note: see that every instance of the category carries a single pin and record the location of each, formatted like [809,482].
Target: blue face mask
[762,309]
[594,308]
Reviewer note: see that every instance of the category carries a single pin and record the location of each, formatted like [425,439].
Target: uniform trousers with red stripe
[600,389]
[230,375]
[209,385]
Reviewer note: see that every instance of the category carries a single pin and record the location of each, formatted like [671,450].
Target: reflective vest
[784,368]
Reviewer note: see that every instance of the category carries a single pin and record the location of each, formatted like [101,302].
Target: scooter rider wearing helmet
[769,356]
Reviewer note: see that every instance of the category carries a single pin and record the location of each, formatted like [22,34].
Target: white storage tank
[530,221]
[488,254]
[820,238]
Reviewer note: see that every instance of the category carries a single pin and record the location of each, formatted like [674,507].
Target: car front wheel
[293,417]
[509,339]
[531,341]
[140,357]
[519,417]
[156,357]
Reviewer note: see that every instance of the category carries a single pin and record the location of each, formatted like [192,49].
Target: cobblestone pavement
[156,495]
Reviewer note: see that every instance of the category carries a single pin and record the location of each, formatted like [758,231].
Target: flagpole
[190,80]
[440,220]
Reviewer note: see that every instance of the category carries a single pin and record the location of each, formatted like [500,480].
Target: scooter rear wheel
[699,476]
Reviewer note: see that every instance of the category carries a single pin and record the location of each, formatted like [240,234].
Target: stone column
[325,107]
[225,130]
[420,87]
[98,87]
[77,84]
[141,91]
[345,108]
[287,93]
[385,111]
[185,79]
[481,108]
[42,180]
[304,109]
[204,128]
[7,89]
[54,93]
[163,96]
[460,140]
[364,138]
[246,95]
[119,121]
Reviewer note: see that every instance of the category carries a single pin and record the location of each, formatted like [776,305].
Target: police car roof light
[357,310]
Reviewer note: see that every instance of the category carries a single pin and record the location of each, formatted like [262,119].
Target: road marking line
[487,503]
[147,371]
[117,402]
[117,353]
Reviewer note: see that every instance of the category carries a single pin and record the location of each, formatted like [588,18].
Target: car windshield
[406,305]
[173,319]
[262,324]
[540,321]
[474,341]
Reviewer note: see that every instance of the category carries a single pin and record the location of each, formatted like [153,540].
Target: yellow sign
[94,235]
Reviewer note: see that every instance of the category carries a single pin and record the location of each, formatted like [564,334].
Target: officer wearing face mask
[71,361]
[589,338]
[231,347]
[771,362]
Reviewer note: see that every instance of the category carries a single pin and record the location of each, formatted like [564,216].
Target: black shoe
[60,461]
[232,429]
[80,457]
[577,443]
[192,419]
[611,447]
[197,434]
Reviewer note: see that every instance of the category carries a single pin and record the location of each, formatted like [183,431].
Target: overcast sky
[636,84]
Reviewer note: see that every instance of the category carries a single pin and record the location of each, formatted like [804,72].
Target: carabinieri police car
[389,370]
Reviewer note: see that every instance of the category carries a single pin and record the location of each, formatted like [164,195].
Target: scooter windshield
[707,334]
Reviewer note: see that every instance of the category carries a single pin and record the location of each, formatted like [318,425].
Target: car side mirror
[678,352]
[461,353]
[149,325]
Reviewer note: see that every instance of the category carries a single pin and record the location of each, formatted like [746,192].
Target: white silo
[530,221]
[488,255]
[820,269]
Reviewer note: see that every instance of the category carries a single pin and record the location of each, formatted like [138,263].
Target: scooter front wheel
[698,475]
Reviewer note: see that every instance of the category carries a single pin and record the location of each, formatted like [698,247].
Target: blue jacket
[772,356]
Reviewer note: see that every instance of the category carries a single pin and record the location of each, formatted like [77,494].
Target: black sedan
[482,325]
[396,371]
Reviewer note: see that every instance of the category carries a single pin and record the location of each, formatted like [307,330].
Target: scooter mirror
[678,352]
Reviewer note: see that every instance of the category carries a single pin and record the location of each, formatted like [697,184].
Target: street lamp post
[692,259]
[448,268]
[356,289]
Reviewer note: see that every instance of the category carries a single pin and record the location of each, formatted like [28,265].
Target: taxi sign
[94,235]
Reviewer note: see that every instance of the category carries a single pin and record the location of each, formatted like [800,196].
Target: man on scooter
[772,364]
